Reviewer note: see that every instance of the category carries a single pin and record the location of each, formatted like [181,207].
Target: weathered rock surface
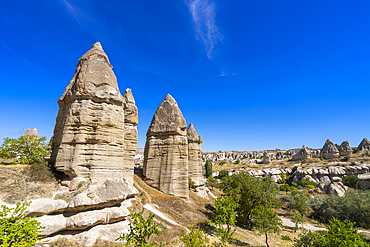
[89,134]
[302,154]
[266,158]
[32,132]
[336,188]
[364,145]
[364,181]
[44,206]
[166,150]
[345,149]
[195,156]
[329,150]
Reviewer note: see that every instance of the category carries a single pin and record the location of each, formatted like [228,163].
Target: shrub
[237,161]
[39,171]
[191,183]
[298,201]
[212,182]
[304,183]
[310,186]
[195,238]
[222,163]
[223,173]
[16,229]
[141,230]
[350,180]
[208,168]
[355,150]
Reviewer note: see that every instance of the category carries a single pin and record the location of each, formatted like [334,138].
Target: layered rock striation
[345,149]
[329,150]
[195,156]
[364,145]
[95,131]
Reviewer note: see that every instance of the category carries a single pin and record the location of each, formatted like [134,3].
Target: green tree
[212,182]
[266,221]
[16,229]
[141,230]
[350,180]
[237,161]
[297,219]
[250,192]
[26,149]
[208,168]
[224,214]
[223,173]
[195,238]
[299,201]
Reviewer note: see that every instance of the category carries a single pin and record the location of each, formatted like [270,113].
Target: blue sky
[250,75]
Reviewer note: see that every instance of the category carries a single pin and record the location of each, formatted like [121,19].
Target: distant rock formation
[266,158]
[364,145]
[95,133]
[329,151]
[166,150]
[33,132]
[302,154]
[195,156]
[345,149]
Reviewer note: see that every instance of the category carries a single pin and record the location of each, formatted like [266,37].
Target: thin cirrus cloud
[73,10]
[204,18]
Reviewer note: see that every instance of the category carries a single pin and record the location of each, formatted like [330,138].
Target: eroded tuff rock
[93,121]
[195,156]
[345,149]
[266,158]
[302,154]
[166,150]
[364,145]
[329,150]
[32,132]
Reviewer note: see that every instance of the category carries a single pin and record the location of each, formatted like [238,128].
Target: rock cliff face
[364,145]
[195,156]
[166,150]
[329,150]
[345,149]
[89,135]
[302,154]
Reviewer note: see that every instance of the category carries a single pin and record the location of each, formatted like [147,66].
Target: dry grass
[17,184]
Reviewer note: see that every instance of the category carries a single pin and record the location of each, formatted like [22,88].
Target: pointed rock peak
[128,96]
[97,45]
[96,49]
[329,147]
[32,132]
[192,134]
[304,146]
[168,119]
[364,145]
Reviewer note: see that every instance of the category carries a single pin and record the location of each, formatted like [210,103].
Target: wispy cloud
[73,10]
[204,17]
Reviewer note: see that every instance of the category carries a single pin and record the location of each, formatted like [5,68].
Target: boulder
[166,150]
[345,149]
[44,206]
[336,188]
[88,140]
[195,156]
[364,145]
[302,154]
[329,150]
[266,158]
[364,181]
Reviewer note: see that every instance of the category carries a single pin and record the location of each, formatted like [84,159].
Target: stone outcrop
[266,158]
[364,181]
[95,131]
[329,150]
[345,149]
[166,150]
[302,154]
[32,132]
[195,156]
[364,145]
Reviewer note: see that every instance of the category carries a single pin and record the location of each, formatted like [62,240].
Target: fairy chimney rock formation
[364,145]
[345,149]
[195,156]
[89,136]
[166,150]
[302,154]
[32,132]
[266,158]
[329,150]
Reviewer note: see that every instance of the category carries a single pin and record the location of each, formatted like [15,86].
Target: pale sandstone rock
[302,154]
[89,134]
[32,132]
[336,188]
[329,150]
[44,206]
[266,158]
[364,145]
[166,150]
[345,149]
[195,156]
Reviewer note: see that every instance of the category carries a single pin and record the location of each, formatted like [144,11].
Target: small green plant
[286,238]
[237,161]
[310,186]
[16,229]
[355,150]
[195,238]
[212,182]
[141,230]
[223,173]
[191,183]
[222,163]
[297,219]
[350,180]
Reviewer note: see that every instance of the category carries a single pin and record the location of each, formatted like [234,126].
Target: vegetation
[266,220]
[237,161]
[340,234]
[223,173]
[224,214]
[141,230]
[250,192]
[16,229]
[191,183]
[26,149]
[350,180]
[208,168]
[195,238]
[212,182]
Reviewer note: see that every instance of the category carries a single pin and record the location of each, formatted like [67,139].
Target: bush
[237,161]
[39,171]
[304,183]
[16,229]
[222,163]
[209,168]
[195,238]
[212,182]
[350,180]
[355,150]
[223,173]
[191,183]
